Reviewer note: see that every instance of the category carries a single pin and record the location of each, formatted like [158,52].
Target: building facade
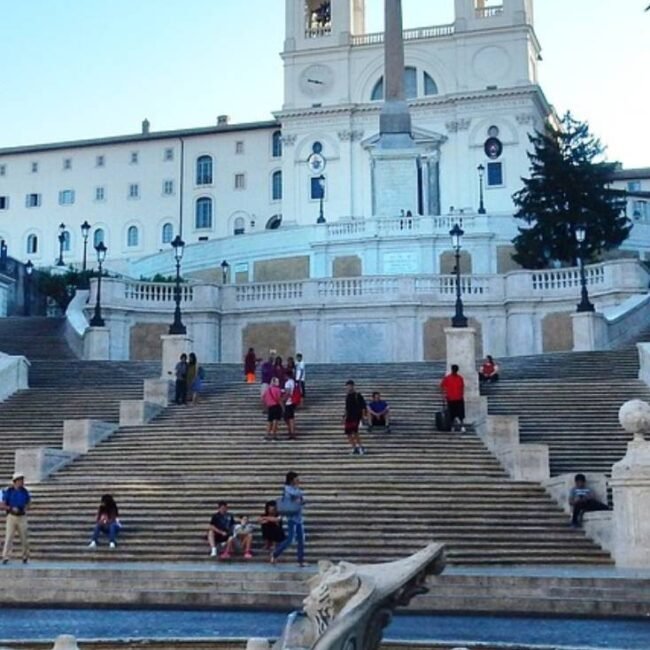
[293,197]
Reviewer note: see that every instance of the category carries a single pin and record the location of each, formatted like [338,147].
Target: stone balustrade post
[644,362]
[97,344]
[173,345]
[589,331]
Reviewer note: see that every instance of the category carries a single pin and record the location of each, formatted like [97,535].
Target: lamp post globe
[585,304]
[177,326]
[456,234]
[97,320]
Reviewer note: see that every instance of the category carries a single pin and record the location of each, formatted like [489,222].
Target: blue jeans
[297,530]
[108,529]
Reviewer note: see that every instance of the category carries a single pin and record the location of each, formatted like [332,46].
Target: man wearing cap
[16,502]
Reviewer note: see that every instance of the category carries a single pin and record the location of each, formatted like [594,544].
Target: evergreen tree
[567,188]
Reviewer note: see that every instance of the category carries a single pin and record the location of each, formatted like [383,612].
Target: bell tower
[322,23]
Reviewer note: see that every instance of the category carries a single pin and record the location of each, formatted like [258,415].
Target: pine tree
[567,188]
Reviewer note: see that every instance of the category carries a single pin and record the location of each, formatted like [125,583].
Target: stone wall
[145,343]
[505,263]
[274,335]
[347,266]
[557,332]
[278,270]
[434,344]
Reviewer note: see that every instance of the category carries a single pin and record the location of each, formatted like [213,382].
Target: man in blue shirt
[379,412]
[221,528]
[16,502]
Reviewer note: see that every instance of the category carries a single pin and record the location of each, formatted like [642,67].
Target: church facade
[295,197]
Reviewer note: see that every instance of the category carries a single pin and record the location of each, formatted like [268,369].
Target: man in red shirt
[453,389]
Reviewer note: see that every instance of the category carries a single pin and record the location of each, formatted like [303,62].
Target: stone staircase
[34,337]
[415,485]
[571,402]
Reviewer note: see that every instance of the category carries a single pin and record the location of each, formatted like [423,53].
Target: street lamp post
[321,184]
[584,304]
[3,255]
[224,272]
[60,261]
[97,320]
[85,231]
[29,269]
[177,326]
[481,173]
[456,234]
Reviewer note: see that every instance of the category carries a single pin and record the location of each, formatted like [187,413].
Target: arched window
[410,85]
[132,236]
[204,170]
[98,236]
[66,241]
[203,218]
[32,245]
[277,144]
[430,86]
[276,186]
[167,233]
[239,226]
[274,222]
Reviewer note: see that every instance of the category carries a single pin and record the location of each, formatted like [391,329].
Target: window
[134,157]
[100,194]
[98,237]
[204,170]
[32,245]
[169,154]
[318,187]
[276,186]
[430,86]
[99,161]
[134,191]
[240,181]
[66,197]
[274,222]
[3,170]
[640,209]
[32,200]
[168,187]
[203,213]
[132,236]
[34,167]
[4,202]
[634,186]
[494,174]
[410,85]
[239,146]
[239,226]
[276,144]
[67,163]
[66,241]
[167,233]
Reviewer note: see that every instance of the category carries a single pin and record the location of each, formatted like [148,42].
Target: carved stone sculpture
[349,605]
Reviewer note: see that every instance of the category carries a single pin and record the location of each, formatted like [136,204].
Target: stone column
[173,345]
[631,485]
[461,350]
[589,331]
[97,344]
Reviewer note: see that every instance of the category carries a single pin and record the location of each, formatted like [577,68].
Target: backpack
[296,395]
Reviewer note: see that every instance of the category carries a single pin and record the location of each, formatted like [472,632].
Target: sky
[73,69]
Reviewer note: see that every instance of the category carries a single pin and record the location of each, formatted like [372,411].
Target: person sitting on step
[489,371]
[220,529]
[378,412]
[271,523]
[582,499]
[240,542]
[107,522]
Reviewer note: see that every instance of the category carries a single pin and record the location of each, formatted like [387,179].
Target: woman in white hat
[16,502]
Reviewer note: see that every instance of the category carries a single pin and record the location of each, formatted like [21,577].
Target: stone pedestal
[589,331]
[97,344]
[394,181]
[631,484]
[159,391]
[461,350]
[79,436]
[644,362]
[134,412]
[37,463]
[65,642]
[173,345]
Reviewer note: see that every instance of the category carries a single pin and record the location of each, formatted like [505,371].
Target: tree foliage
[567,188]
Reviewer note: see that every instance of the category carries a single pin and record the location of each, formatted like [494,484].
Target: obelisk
[395,156]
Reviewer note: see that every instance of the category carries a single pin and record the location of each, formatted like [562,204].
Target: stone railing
[401,226]
[14,375]
[317,32]
[157,292]
[417,34]
[489,12]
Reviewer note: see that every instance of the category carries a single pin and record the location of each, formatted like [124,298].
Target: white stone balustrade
[14,375]
[419,33]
